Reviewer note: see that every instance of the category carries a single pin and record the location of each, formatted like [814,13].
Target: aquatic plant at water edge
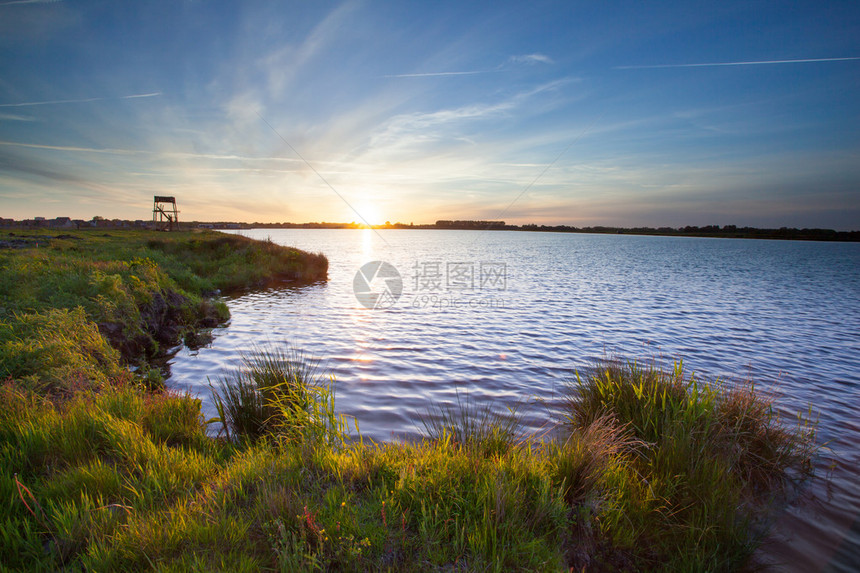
[707,460]
[278,392]
[467,425]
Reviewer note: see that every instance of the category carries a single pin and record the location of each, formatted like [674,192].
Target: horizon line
[477,227]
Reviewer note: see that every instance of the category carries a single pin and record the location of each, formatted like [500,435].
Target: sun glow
[369,213]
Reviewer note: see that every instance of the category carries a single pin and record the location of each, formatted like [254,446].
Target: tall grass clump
[579,462]
[477,428]
[278,392]
[707,459]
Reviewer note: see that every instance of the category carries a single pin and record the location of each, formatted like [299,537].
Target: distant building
[62,223]
[446,224]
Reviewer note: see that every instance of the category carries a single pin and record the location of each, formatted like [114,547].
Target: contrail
[754,63]
[85,100]
[12,117]
[115,151]
[153,94]
[74,148]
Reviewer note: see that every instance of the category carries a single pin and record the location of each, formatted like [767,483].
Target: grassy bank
[76,307]
[126,480]
[650,470]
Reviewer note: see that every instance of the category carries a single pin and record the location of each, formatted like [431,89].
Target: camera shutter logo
[377,285]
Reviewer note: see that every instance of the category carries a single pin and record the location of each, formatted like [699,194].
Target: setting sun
[369,213]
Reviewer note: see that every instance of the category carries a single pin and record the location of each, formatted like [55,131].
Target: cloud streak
[13,2]
[532,59]
[84,100]
[529,59]
[519,59]
[13,117]
[406,131]
[438,74]
[749,63]
[172,154]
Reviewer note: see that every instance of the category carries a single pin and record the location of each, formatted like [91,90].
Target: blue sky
[580,113]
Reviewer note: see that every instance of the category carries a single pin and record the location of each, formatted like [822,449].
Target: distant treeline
[726,231]
[473,225]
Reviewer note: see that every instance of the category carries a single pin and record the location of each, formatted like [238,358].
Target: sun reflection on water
[367,244]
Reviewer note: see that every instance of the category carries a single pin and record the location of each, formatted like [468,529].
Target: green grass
[478,429]
[112,494]
[126,480]
[55,349]
[75,309]
[233,262]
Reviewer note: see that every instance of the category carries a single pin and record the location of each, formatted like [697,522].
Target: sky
[577,113]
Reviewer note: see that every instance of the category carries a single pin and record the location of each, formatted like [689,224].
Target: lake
[506,318]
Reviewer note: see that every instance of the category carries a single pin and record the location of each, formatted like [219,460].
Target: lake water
[505,318]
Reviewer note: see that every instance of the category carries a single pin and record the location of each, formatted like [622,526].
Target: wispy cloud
[136,96]
[437,74]
[13,2]
[72,148]
[13,117]
[531,59]
[84,100]
[749,63]
[425,120]
[285,64]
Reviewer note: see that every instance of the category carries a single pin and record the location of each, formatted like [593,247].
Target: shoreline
[124,477]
